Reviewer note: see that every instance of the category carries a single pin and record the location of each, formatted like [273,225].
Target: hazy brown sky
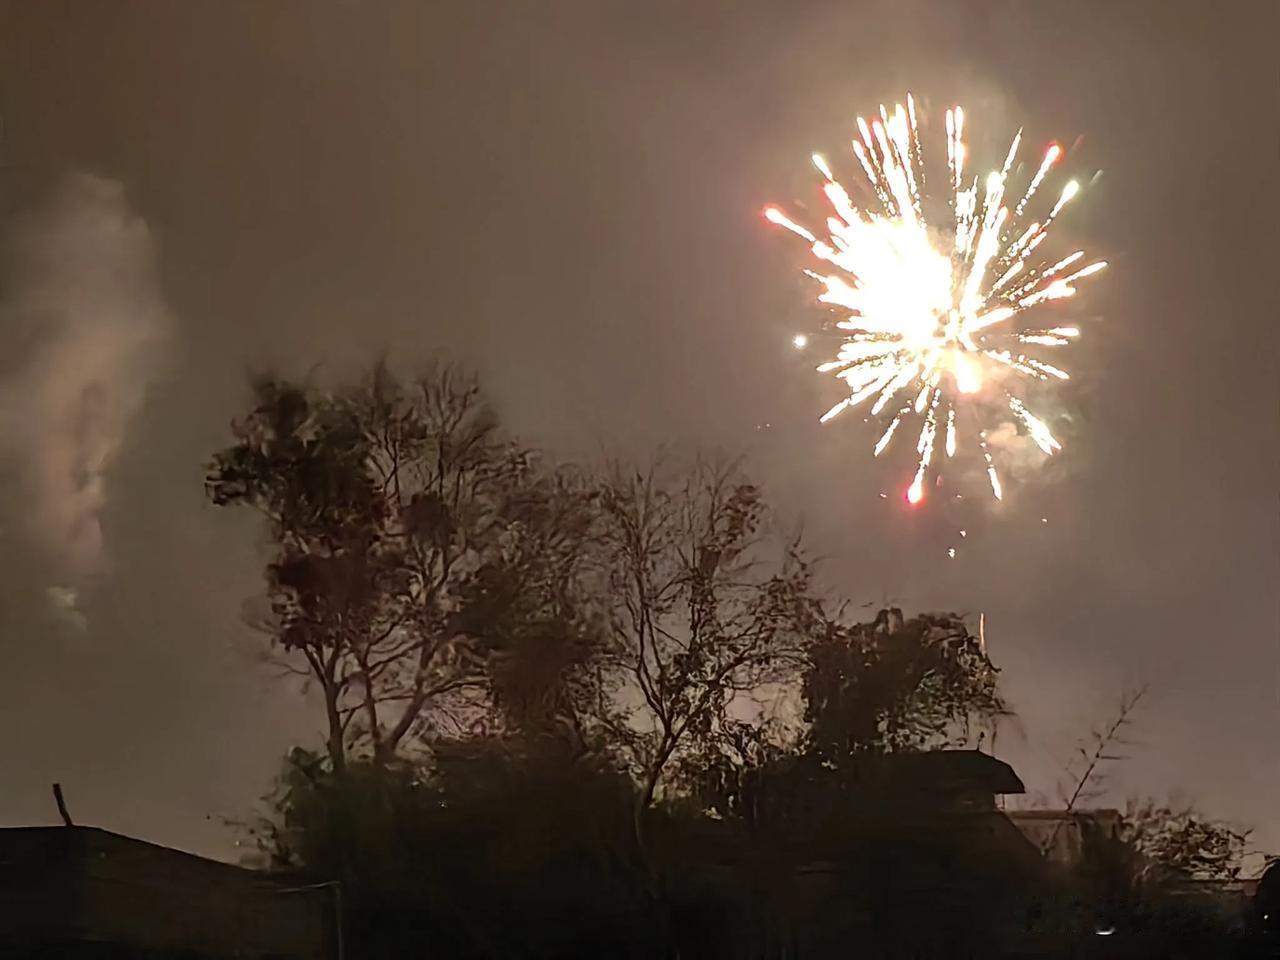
[567,195]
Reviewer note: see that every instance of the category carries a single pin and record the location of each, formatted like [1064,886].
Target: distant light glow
[800,341]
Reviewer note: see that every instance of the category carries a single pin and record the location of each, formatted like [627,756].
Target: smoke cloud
[1018,457]
[82,333]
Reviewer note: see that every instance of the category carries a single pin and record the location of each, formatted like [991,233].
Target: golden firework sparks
[932,317]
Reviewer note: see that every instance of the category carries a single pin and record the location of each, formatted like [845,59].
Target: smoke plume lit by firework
[85,329]
[937,317]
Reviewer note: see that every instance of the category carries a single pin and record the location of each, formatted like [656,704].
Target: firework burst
[934,317]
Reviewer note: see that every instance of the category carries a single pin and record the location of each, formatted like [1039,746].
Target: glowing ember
[928,314]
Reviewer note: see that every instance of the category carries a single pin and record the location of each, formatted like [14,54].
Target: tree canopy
[575,712]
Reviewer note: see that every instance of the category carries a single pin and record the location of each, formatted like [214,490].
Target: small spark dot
[1044,519]
[884,496]
[800,341]
[963,533]
[951,552]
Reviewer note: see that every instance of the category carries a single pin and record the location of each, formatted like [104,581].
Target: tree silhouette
[410,539]
[704,607]
[573,715]
[895,684]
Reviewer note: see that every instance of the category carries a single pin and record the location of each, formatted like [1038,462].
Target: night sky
[567,196]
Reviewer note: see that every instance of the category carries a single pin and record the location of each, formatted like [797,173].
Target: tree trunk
[645,800]
[654,887]
[335,744]
[383,755]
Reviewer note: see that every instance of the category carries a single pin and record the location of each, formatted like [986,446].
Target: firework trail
[933,315]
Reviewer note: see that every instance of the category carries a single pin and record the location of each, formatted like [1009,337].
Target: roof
[18,843]
[69,885]
[955,770]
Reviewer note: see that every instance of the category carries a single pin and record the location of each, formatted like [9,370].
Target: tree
[407,530]
[1178,844]
[1156,881]
[895,684]
[704,607]
[531,602]
[1091,760]
[492,851]
[302,462]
